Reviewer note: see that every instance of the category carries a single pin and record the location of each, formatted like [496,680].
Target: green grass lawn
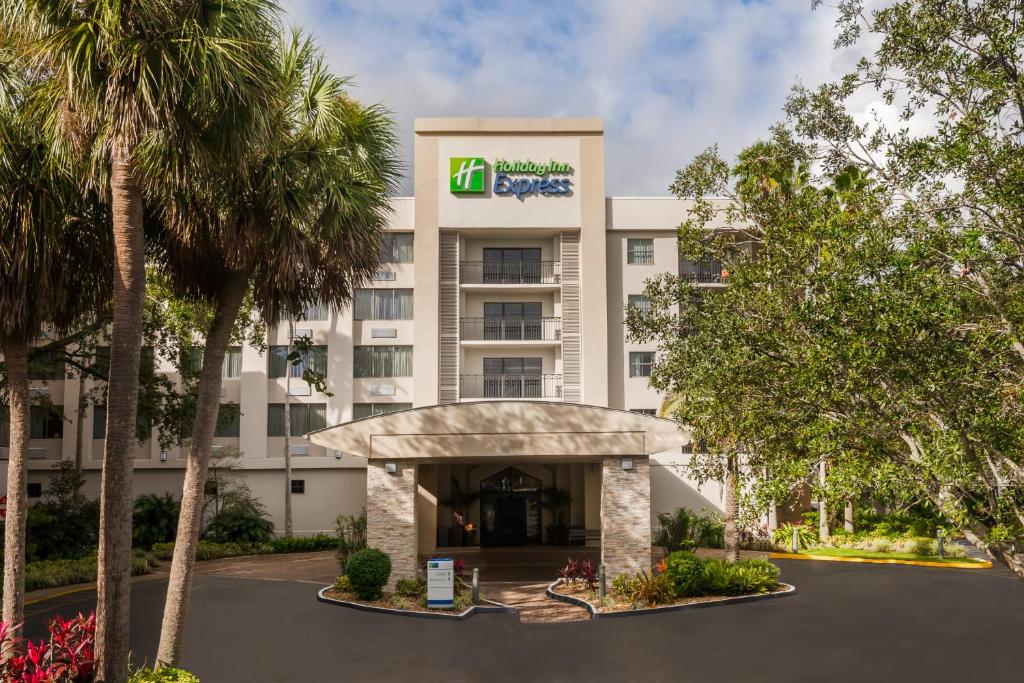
[867,555]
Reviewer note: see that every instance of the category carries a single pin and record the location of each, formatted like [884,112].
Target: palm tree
[54,269]
[123,73]
[294,221]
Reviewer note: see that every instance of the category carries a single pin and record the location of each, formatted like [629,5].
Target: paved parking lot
[848,622]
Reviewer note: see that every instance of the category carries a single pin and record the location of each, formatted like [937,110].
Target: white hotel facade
[498,321]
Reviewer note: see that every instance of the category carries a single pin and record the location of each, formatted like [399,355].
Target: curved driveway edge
[787,590]
[492,608]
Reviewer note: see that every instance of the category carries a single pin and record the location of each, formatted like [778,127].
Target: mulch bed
[613,602]
[392,601]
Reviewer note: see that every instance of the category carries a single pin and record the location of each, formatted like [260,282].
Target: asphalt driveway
[848,622]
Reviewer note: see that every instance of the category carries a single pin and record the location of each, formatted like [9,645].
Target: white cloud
[669,78]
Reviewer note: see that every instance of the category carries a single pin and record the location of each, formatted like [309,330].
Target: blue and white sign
[441,583]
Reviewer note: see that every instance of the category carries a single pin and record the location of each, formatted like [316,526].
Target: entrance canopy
[494,429]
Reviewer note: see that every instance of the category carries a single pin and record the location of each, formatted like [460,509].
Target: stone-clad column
[626,516]
[391,516]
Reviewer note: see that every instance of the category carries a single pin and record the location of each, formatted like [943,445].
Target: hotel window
[383,304]
[305,417]
[315,360]
[298,486]
[46,422]
[640,251]
[361,410]
[641,302]
[396,247]
[231,368]
[34,490]
[229,420]
[383,361]
[317,310]
[48,365]
[640,363]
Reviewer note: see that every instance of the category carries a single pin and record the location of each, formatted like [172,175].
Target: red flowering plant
[68,655]
[571,571]
[588,573]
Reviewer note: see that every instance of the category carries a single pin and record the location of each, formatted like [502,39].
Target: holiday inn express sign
[468,175]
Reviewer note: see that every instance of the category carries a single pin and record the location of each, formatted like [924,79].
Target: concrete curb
[870,560]
[491,608]
[787,590]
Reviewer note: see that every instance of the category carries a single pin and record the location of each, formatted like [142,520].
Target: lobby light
[391,467]
[627,463]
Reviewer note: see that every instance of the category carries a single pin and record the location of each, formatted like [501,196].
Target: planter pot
[457,536]
[442,536]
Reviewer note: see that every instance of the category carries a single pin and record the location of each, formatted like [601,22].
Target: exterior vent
[299,389]
[302,332]
[383,333]
[38,392]
[37,453]
[384,275]
[298,449]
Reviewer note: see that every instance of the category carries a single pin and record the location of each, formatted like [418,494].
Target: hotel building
[495,330]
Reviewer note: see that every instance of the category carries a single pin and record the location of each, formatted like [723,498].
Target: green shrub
[783,536]
[410,588]
[369,570]
[242,520]
[303,544]
[351,533]
[686,530]
[624,584]
[754,576]
[64,524]
[738,578]
[140,563]
[155,519]
[343,584]
[649,591]
[164,675]
[684,572]
[163,551]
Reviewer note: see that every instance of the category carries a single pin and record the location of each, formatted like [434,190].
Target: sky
[668,77]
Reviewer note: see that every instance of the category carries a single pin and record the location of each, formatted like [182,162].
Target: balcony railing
[510,386]
[511,329]
[702,272]
[510,272]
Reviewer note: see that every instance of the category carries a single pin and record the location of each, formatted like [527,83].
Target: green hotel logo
[467,175]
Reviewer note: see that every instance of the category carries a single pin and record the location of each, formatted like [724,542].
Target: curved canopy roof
[564,431]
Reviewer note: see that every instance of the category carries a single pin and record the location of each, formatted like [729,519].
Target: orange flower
[662,566]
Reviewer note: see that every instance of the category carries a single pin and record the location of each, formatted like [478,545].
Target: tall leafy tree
[295,220]
[55,251]
[121,73]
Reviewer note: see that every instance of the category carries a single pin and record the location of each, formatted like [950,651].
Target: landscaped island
[680,579]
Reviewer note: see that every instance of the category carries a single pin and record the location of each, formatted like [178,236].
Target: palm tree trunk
[114,561]
[732,508]
[848,518]
[190,519]
[16,357]
[823,532]
[287,436]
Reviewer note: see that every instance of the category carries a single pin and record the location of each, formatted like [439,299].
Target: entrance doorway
[510,509]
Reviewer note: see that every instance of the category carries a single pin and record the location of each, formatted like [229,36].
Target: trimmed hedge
[368,571]
[56,573]
[167,674]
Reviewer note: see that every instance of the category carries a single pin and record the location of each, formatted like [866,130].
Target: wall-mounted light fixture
[627,463]
[391,467]
[163,456]
[337,455]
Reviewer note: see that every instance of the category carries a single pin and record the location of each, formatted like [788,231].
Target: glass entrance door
[510,508]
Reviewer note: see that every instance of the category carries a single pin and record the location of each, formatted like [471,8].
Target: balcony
[510,272]
[704,272]
[510,386]
[511,329]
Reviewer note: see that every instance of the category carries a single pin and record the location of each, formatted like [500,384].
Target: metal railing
[510,272]
[511,329]
[510,386]
[703,272]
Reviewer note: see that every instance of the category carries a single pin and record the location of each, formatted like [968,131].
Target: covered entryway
[479,463]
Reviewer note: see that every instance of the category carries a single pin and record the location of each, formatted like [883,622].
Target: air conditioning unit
[384,275]
[299,389]
[382,390]
[302,332]
[37,453]
[383,333]
[299,449]
[38,392]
